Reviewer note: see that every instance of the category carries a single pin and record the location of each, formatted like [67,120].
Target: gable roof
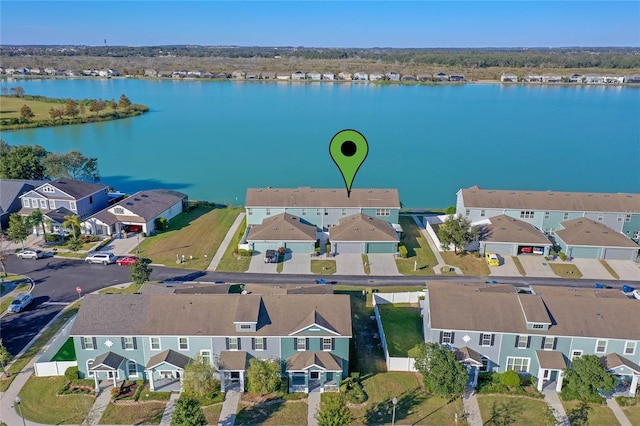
[75,189]
[505,229]
[467,354]
[107,361]
[170,357]
[11,189]
[362,227]
[204,314]
[553,360]
[573,312]
[586,232]
[304,360]
[233,360]
[314,318]
[282,227]
[58,215]
[551,200]
[149,204]
[613,360]
[321,197]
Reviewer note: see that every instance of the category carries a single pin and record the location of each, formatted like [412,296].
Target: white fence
[393,298]
[43,366]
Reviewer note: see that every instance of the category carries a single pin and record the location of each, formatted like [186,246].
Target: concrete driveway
[536,266]
[592,268]
[507,268]
[349,264]
[257,264]
[383,264]
[296,263]
[124,246]
[627,269]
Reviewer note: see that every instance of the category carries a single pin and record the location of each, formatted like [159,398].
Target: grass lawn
[279,413]
[70,254]
[11,108]
[518,264]
[40,403]
[609,269]
[231,262]
[418,250]
[402,327]
[212,413]
[130,289]
[197,233]
[67,352]
[414,405]
[6,300]
[365,264]
[526,411]
[633,414]
[467,262]
[323,267]
[48,333]
[146,413]
[565,270]
[597,414]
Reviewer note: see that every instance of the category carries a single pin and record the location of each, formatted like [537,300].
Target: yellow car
[492,259]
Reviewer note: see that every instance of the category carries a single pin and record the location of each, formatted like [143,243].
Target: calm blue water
[212,140]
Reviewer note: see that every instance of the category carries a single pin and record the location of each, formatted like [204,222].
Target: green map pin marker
[348,149]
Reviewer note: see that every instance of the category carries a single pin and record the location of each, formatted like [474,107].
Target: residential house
[250,75]
[155,336]
[508,236]
[150,73]
[594,79]
[206,74]
[165,74]
[222,75]
[586,238]
[408,77]
[137,213]
[298,75]
[345,76]
[10,192]
[194,74]
[613,79]
[283,76]
[314,75]
[551,78]
[392,76]
[375,76]
[440,77]
[575,78]
[533,78]
[360,76]
[238,75]
[268,75]
[456,77]
[424,77]
[65,197]
[632,78]
[36,71]
[547,210]
[508,78]
[535,331]
[361,233]
[282,230]
[329,76]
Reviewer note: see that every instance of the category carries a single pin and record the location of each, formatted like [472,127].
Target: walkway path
[441,263]
[100,405]
[168,410]
[471,408]
[229,408]
[225,243]
[313,401]
[617,411]
[553,401]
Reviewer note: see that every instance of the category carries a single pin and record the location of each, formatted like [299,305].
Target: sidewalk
[313,401]
[553,401]
[168,410]
[225,243]
[441,263]
[100,405]
[617,411]
[471,408]
[229,408]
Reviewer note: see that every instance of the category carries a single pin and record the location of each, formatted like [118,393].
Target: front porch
[627,372]
[166,370]
[232,367]
[308,371]
[551,371]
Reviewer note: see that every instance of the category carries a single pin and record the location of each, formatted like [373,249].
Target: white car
[104,258]
[32,254]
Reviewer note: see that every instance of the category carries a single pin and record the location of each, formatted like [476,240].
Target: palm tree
[73,222]
[37,218]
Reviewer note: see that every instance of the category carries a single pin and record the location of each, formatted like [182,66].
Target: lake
[212,140]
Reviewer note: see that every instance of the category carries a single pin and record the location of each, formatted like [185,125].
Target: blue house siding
[631,228]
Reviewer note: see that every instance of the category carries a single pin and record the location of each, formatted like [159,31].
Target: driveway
[507,268]
[257,264]
[124,246]
[383,264]
[536,266]
[627,269]
[296,263]
[349,264]
[592,268]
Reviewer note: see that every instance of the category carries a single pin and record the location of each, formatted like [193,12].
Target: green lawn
[148,413]
[130,289]
[40,403]
[11,106]
[323,267]
[402,327]
[418,250]
[196,234]
[279,413]
[467,262]
[516,261]
[67,352]
[231,261]
[212,413]
[366,265]
[524,411]
[596,414]
[565,270]
[633,414]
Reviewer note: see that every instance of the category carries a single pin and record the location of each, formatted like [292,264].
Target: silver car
[20,302]
[32,254]
[104,258]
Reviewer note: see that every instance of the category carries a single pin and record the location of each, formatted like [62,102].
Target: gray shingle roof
[10,189]
[507,229]
[233,360]
[362,227]
[149,204]
[586,232]
[303,360]
[77,189]
[321,197]
[551,359]
[282,227]
[170,357]
[107,361]
[614,360]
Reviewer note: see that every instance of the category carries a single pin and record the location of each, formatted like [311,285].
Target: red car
[127,260]
[526,249]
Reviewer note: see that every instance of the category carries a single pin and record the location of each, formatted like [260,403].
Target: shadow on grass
[382,412]
[185,218]
[258,413]
[505,413]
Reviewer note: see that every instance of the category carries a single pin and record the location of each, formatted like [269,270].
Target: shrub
[161,223]
[245,253]
[51,238]
[353,391]
[403,251]
[510,378]
[139,389]
[284,384]
[72,374]
[282,250]
[562,256]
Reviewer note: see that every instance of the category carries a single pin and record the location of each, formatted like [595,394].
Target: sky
[323,23]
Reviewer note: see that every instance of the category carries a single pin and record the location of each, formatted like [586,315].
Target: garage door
[503,249]
[349,248]
[382,247]
[300,247]
[263,247]
[584,252]
[619,254]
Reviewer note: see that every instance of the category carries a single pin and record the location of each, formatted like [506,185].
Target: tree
[124,102]
[18,230]
[26,114]
[97,106]
[587,376]
[188,412]
[333,411]
[441,373]
[263,376]
[72,165]
[5,357]
[457,230]
[114,105]
[56,113]
[73,222]
[74,244]
[198,380]
[22,161]
[140,271]
[35,219]
[71,108]
[18,91]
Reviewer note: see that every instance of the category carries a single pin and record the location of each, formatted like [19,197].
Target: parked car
[104,258]
[126,260]
[32,254]
[271,256]
[20,302]
[492,259]
[526,249]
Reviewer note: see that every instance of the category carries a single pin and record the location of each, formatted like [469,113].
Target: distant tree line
[610,57]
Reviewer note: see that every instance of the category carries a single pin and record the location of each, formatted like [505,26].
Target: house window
[268,212]
[538,326]
[327,343]
[88,343]
[249,212]
[522,342]
[326,212]
[304,212]
[245,326]
[447,337]
[52,204]
[118,210]
[72,205]
[547,215]
[600,217]
[548,343]
[518,364]
[43,204]
[601,346]
[233,344]
[318,212]
[89,367]
[259,344]
[620,217]
[486,339]
[128,343]
[90,199]
[576,354]
[526,214]
[636,235]
[383,212]
[629,348]
[205,356]
[483,213]
[627,218]
[565,216]
[26,203]
[132,368]
[485,364]
[301,344]
[183,343]
[344,212]
[48,189]
[467,212]
[154,343]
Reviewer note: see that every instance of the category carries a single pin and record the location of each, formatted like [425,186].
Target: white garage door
[503,249]
[619,254]
[349,248]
